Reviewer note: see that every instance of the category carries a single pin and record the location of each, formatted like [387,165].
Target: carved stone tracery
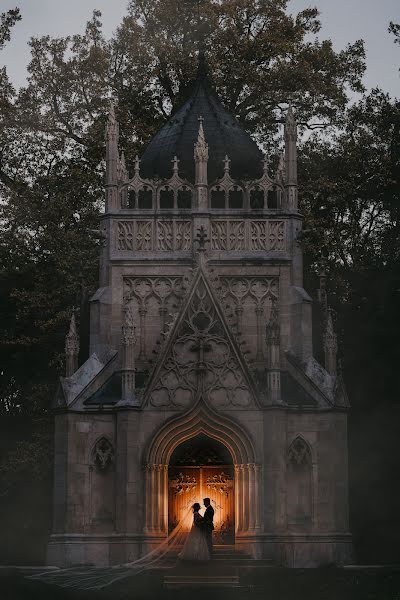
[201,356]
[254,235]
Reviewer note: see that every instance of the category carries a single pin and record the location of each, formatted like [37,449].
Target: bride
[195,547]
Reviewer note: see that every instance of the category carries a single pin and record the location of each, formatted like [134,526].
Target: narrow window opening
[131,199]
[235,198]
[273,198]
[217,198]
[166,198]
[145,199]
[257,199]
[184,198]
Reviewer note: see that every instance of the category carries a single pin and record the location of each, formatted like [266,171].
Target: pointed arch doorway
[202,467]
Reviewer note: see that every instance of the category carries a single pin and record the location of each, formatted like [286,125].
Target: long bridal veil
[169,547]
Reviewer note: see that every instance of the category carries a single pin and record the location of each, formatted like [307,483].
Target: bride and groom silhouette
[198,545]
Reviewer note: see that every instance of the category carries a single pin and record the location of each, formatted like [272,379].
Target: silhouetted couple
[198,545]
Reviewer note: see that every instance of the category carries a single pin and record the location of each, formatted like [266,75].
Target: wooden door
[191,484]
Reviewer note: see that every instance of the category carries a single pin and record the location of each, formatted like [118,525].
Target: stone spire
[112,159]
[201,160]
[71,348]
[290,135]
[273,335]
[122,170]
[330,345]
[128,358]
[281,170]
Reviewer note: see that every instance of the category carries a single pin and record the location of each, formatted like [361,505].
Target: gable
[201,358]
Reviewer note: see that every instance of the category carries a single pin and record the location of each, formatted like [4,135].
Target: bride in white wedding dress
[195,548]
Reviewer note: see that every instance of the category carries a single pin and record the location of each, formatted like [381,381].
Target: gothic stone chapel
[201,380]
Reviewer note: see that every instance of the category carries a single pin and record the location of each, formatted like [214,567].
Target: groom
[208,523]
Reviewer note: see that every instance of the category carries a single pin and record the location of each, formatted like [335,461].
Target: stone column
[128,359]
[290,134]
[273,333]
[112,161]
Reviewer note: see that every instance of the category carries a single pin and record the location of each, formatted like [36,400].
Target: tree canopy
[52,157]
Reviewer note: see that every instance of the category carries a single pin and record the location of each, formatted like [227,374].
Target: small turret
[201,160]
[71,348]
[330,345]
[273,336]
[112,160]
[128,358]
[290,135]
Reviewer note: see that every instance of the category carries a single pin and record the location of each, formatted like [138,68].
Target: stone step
[203,581]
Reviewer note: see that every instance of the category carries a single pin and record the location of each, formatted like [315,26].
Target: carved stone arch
[301,441]
[203,420]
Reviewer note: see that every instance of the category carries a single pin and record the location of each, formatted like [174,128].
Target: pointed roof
[223,134]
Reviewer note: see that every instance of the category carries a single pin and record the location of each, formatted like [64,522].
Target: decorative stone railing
[240,234]
[171,235]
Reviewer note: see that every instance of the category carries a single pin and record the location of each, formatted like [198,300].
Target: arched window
[184,198]
[145,198]
[299,484]
[166,198]
[217,198]
[235,197]
[274,198]
[257,198]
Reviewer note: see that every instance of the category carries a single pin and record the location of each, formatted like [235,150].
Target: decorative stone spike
[330,345]
[128,359]
[71,348]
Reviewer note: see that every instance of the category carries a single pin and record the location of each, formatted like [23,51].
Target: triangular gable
[201,357]
[90,377]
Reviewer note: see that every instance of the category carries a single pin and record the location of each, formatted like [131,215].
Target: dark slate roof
[224,136]
[293,393]
[109,393]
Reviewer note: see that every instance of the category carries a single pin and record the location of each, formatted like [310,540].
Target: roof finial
[227,164]
[137,165]
[175,165]
[201,147]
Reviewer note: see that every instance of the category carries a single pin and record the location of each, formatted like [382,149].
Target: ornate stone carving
[149,235]
[128,328]
[103,454]
[201,147]
[299,453]
[200,357]
[267,235]
[182,484]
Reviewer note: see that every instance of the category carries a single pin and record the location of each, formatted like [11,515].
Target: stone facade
[201,326]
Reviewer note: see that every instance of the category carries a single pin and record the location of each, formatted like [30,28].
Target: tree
[52,163]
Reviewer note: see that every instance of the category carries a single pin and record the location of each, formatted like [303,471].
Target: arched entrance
[202,420]
[201,468]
